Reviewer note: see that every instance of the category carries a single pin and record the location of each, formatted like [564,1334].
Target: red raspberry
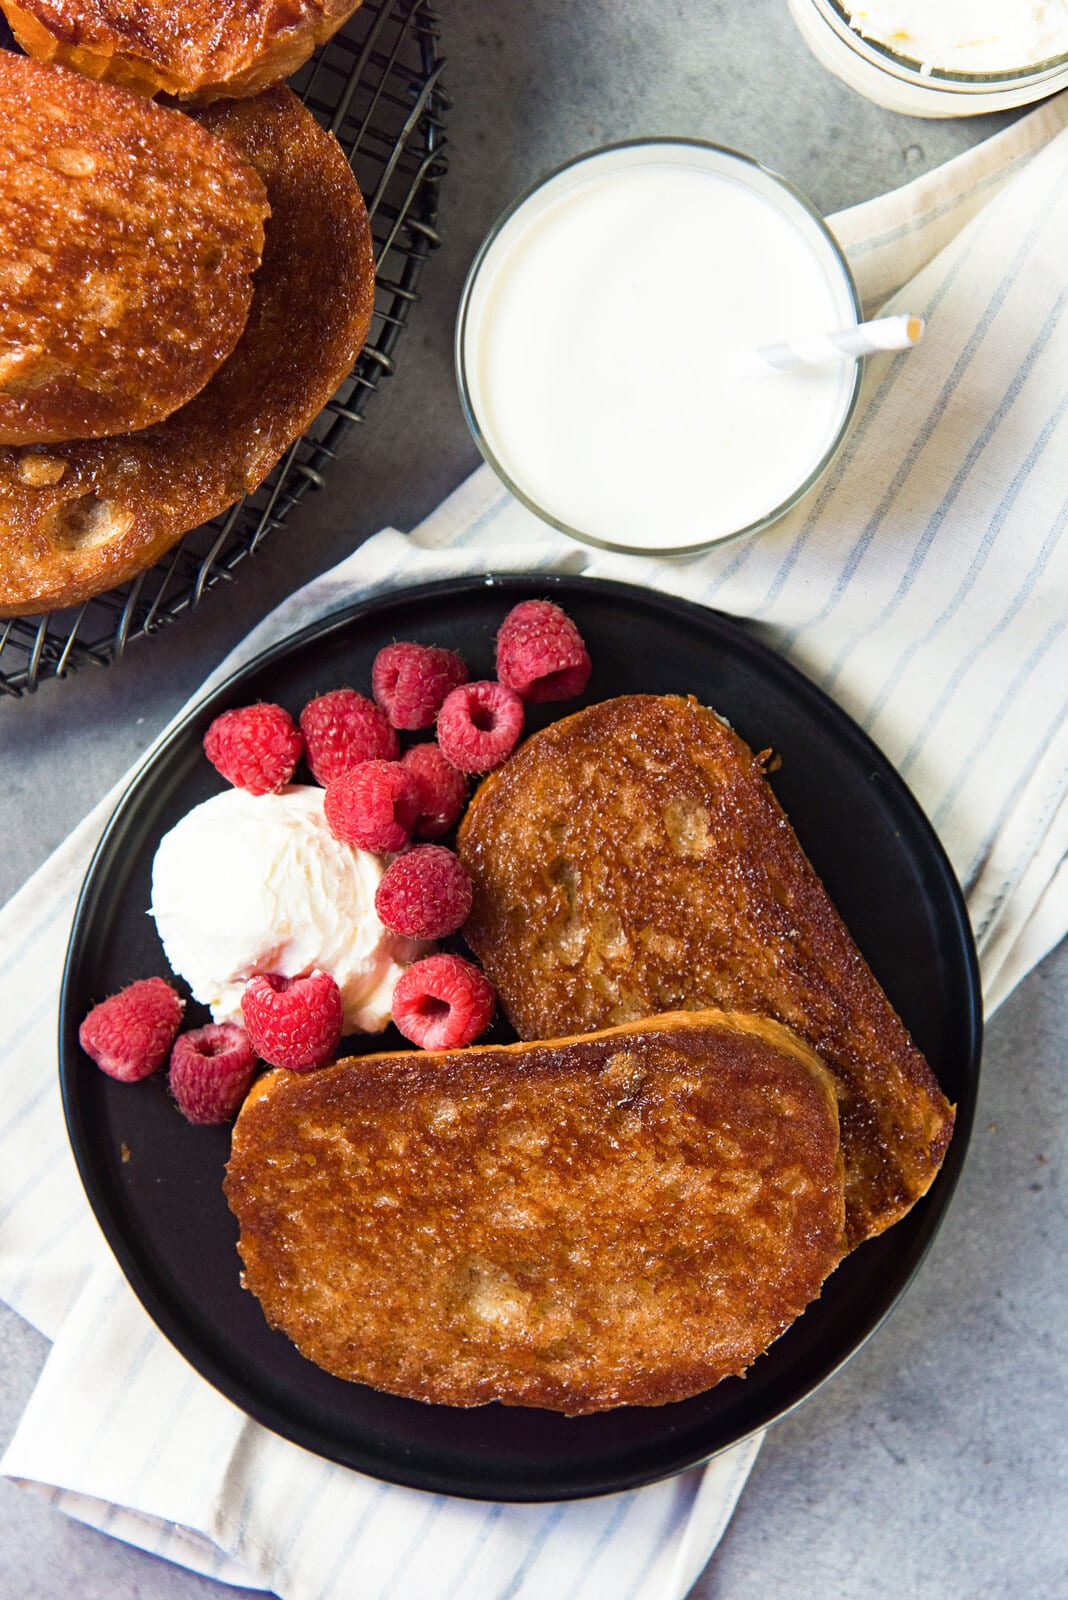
[211,1070]
[479,725]
[443,1002]
[255,748]
[540,653]
[343,728]
[293,1022]
[374,806]
[129,1035]
[424,894]
[442,790]
[410,681]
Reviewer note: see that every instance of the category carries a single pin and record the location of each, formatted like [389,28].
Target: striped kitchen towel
[924,585]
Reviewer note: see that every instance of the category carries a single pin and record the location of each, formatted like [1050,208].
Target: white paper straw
[847,344]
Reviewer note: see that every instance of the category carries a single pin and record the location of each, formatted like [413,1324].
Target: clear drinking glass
[743,182]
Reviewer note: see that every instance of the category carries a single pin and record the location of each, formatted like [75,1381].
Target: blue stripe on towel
[971,577]
[614,1523]
[923,219]
[534,1551]
[26,1024]
[489,1522]
[680,1515]
[990,724]
[28,941]
[938,516]
[36,1177]
[916,448]
[27,1107]
[1006,619]
[296,1527]
[42,1249]
[337,1571]
[413,1547]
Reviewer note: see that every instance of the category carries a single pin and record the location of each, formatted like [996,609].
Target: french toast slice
[197,51]
[623,1218]
[79,517]
[128,239]
[633,858]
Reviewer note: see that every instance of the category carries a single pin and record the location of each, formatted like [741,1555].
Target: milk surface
[605,349]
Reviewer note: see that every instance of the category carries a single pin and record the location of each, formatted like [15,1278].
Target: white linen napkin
[924,585]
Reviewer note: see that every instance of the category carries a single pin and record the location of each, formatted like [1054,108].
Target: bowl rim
[907,69]
[651,142]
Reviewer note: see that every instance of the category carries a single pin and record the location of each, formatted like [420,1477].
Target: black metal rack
[377,86]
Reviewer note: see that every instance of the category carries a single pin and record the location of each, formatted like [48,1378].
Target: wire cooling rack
[377,85]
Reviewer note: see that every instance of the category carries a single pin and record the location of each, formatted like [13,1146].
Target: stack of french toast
[712,1101]
[185,284]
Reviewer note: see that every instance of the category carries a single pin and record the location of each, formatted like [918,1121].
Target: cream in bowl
[941,58]
[605,337]
[973,36]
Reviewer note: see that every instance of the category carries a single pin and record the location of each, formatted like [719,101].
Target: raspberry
[374,806]
[343,728]
[129,1035]
[293,1022]
[424,894]
[443,1002]
[479,725]
[540,653]
[410,681]
[255,748]
[211,1070]
[442,790]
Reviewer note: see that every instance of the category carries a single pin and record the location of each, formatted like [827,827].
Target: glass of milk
[605,347]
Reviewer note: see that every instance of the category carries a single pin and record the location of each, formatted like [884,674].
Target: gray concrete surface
[935,1465]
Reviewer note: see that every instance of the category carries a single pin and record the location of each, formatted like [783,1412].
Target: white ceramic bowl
[907,86]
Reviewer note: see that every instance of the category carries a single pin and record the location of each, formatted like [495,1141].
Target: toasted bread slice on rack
[633,858]
[620,1219]
[197,51]
[128,239]
[80,517]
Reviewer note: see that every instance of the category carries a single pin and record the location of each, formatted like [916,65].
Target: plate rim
[738,629]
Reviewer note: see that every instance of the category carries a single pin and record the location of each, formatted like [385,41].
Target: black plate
[155,1183]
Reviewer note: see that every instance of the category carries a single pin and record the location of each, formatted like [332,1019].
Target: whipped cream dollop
[248,884]
[967,35]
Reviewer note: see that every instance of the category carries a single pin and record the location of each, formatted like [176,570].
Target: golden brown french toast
[619,1219]
[79,517]
[196,50]
[128,239]
[633,858]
